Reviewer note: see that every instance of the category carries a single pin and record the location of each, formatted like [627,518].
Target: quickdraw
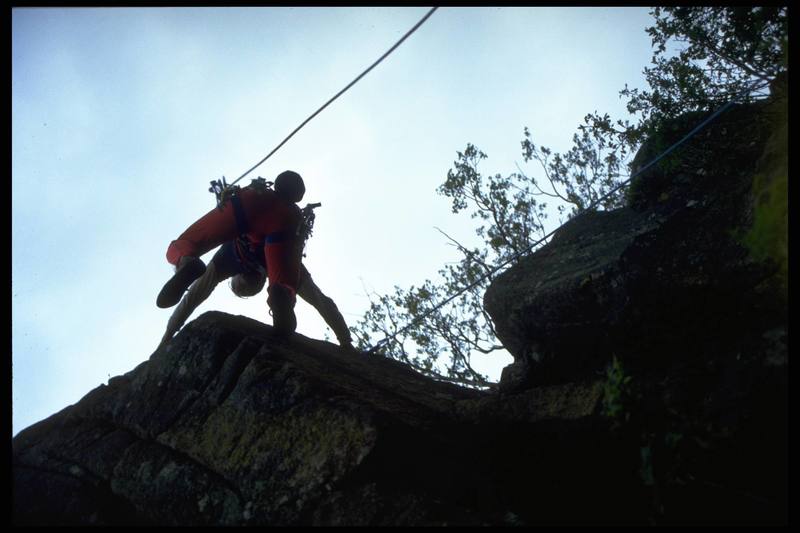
[223,191]
[306,227]
[260,184]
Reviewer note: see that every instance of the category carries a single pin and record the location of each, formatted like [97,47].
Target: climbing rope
[318,111]
[722,109]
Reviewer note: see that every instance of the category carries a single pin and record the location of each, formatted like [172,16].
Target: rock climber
[268,220]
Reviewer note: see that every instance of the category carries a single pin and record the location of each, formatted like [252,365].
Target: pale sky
[121,117]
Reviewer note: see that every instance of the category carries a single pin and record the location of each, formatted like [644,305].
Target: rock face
[649,386]
[227,426]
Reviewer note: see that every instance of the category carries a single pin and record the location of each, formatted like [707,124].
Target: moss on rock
[768,238]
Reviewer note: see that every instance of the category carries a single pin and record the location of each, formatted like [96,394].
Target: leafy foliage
[616,392]
[723,51]
[702,57]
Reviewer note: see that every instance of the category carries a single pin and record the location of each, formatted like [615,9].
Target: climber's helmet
[246,285]
[290,185]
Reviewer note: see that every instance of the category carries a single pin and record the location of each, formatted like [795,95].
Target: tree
[721,52]
[703,56]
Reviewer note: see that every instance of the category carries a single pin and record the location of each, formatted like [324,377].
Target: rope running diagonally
[597,202]
[318,111]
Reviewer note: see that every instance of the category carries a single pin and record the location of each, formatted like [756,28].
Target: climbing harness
[722,109]
[219,187]
[244,247]
[225,192]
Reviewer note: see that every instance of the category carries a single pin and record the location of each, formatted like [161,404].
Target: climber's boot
[189,269]
[281,304]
